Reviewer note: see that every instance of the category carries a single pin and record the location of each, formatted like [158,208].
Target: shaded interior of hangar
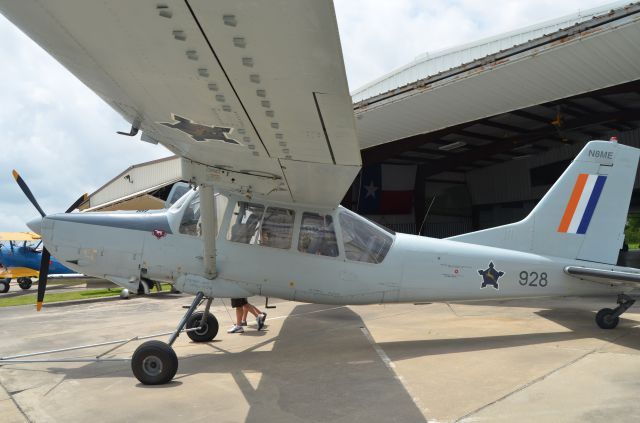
[493,171]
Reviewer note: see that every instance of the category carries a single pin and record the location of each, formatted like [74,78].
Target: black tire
[207,333]
[25,283]
[605,319]
[4,286]
[154,363]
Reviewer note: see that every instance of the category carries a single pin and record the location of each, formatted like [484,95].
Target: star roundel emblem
[490,276]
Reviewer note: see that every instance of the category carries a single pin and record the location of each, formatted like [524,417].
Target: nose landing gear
[156,363]
[609,318]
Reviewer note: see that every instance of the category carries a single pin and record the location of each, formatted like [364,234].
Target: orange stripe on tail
[573,202]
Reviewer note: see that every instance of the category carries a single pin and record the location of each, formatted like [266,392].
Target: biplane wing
[18,272]
[253,94]
[19,236]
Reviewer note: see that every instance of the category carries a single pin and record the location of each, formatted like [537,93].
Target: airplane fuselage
[125,247]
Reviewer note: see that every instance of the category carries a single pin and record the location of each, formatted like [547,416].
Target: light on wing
[249,88]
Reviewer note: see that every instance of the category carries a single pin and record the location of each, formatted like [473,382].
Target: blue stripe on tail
[591,205]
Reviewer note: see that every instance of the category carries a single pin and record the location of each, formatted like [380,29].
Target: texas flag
[387,189]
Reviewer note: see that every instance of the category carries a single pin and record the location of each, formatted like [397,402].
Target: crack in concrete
[16,402]
[525,386]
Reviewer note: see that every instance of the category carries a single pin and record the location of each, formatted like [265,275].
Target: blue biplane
[20,256]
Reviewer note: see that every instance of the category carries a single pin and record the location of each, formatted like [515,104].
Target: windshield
[363,241]
[190,223]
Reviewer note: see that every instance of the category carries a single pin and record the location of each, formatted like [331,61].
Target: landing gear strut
[156,363]
[608,318]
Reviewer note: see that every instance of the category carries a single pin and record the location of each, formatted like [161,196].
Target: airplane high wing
[253,94]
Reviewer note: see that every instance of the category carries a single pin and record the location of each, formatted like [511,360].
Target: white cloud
[61,136]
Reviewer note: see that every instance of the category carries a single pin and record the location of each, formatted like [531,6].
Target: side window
[277,228]
[190,223]
[363,242]
[245,223]
[317,235]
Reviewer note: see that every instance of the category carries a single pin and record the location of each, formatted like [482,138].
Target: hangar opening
[472,137]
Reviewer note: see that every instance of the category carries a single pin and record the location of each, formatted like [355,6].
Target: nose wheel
[156,363]
[609,318]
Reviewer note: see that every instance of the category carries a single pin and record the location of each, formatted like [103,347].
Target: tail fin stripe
[573,202]
[591,206]
[582,204]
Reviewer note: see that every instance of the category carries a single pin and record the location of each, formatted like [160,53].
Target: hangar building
[490,125]
[472,137]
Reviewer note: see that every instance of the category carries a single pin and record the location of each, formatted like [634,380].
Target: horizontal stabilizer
[611,277]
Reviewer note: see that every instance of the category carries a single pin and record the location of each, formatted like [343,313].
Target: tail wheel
[25,283]
[4,286]
[606,320]
[207,332]
[154,363]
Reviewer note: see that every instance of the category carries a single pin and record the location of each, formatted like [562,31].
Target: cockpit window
[277,228]
[245,223]
[251,224]
[190,223]
[362,241]
[317,235]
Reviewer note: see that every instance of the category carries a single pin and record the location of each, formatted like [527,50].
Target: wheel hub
[202,330]
[152,365]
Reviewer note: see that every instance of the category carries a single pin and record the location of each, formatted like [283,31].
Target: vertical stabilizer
[584,213]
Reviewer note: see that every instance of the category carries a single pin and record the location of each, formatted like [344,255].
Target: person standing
[243,308]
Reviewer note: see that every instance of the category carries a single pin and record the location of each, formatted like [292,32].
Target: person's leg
[239,314]
[238,304]
[245,312]
[251,309]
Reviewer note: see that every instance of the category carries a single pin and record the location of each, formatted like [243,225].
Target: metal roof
[429,64]
[134,182]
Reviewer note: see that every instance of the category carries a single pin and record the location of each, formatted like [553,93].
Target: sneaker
[260,319]
[236,329]
[243,323]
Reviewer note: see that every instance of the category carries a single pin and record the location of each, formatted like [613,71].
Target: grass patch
[54,297]
[60,296]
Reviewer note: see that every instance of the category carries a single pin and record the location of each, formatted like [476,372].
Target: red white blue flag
[387,189]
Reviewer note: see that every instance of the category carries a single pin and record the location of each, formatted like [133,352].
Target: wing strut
[209,222]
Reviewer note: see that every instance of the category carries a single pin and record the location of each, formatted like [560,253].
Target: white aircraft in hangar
[253,96]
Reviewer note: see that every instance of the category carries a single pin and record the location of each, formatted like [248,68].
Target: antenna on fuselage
[426,214]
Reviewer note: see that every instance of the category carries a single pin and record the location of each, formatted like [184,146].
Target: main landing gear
[155,362]
[608,318]
[24,283]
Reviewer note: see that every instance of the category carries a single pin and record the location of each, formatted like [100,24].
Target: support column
[209,227]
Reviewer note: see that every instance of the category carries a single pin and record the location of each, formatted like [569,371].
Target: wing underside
[252,88]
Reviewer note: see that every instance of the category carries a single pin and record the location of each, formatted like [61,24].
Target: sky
[62,138]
